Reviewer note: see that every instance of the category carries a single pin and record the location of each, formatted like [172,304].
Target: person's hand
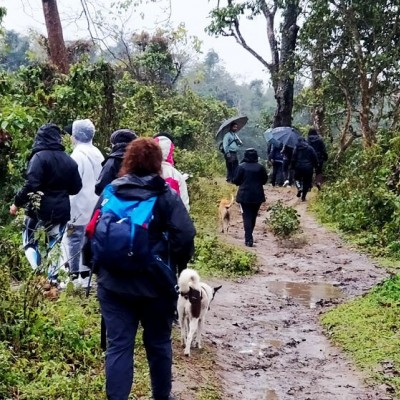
[13,210]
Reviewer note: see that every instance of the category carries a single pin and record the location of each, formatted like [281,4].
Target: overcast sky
[23,15]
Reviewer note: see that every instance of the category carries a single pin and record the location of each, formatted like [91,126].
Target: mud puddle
[306,294]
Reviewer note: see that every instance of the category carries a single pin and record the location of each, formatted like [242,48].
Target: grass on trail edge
[369,329]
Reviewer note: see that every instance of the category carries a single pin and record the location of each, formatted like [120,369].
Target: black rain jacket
[304,157]
[316,142]
[52,172]
[250,177]
[111,167]
[171,219]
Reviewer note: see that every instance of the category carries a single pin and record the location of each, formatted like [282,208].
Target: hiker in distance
[275,157]
[316,142]
[136,290]
[51,177]
[250,177]
[304,162]
[89,159]
[111,165]
[288,173]
[231,143]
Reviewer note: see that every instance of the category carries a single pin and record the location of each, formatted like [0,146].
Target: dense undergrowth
[362,201]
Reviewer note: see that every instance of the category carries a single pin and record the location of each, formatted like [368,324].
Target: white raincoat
[89,159]
[171,175]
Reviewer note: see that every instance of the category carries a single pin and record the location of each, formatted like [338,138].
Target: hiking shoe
[84,282]
[249,244]
[286,183]
[299,193]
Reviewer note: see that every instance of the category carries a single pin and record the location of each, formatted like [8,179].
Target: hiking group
[126,219]
[293,162]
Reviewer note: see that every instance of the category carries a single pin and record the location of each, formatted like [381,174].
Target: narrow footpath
[265,329]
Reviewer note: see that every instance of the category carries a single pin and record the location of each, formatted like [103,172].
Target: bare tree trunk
[345,141]
[367,133]
[319,109]
[58,51]
[285,87]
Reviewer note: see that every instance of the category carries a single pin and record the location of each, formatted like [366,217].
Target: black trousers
[250,211]
[232,163]
[277,174]
[304,176]
[287,172]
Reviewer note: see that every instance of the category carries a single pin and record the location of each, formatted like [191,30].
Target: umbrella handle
[237,138]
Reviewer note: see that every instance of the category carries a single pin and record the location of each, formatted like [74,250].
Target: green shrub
[359,202]
[283,221]
[217,258]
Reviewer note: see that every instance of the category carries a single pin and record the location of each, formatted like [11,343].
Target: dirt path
[265,328]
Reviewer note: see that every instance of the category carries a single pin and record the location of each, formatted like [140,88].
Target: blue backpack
[121,239]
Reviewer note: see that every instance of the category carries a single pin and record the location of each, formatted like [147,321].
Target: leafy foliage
[360,203]
[216,258]
[283,220]
[351,50]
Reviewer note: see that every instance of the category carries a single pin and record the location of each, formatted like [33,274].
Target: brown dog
[224,214]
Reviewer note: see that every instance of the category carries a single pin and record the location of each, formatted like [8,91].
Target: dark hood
[122,136]
[48,137]
[313,138]
[250,156]
[302,144]
[117,151]
[140,187]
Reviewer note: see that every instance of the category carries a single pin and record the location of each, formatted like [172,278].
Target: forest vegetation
[338,70]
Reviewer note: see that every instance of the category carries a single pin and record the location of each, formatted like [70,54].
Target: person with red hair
[129,298]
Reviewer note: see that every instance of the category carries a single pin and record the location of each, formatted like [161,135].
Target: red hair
[142,157]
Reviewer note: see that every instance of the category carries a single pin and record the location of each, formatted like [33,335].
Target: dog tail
[187,279]
[232,200]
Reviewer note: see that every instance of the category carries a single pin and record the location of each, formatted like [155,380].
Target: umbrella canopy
[240,120]
[286,135]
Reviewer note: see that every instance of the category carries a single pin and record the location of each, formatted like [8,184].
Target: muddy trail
[265,329]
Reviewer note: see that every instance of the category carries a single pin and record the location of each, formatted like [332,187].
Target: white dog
[193,303]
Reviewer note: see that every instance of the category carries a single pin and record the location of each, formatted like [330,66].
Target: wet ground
[264,329]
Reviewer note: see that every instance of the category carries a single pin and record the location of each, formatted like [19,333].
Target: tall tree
[57,49]
[227,20]
[356,52]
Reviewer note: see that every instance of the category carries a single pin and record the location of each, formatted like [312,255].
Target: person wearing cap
[171,175]
[250,176]
[89,160]
[111,165]
[52,176]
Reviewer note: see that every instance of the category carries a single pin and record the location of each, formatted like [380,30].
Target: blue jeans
[75,239]
[122,314]
[54,233]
